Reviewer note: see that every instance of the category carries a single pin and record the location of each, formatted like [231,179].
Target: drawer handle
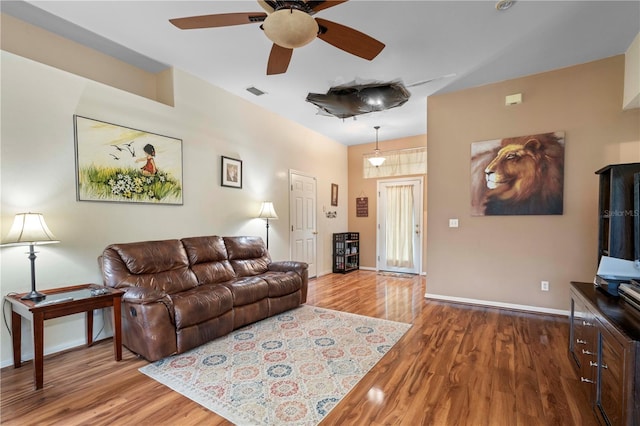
[604,366]
[587,352]
[593,364]
[582,379]
[587,324]
[581,342]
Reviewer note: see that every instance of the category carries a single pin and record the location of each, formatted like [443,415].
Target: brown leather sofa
[180,294]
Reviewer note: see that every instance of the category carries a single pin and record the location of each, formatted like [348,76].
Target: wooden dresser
[604,342]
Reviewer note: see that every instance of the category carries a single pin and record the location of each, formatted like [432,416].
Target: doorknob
[315,232]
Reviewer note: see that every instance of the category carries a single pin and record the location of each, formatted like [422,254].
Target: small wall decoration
[518,176]
[121,164]
[334,194]
[362,207]
[231,172]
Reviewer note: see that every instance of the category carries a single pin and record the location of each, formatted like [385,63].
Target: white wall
[38,174]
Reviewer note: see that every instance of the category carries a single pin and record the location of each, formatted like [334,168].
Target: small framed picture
[334,194]
[231,172]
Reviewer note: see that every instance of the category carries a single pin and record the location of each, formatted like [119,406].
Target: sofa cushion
[208,259]
[151,257]
[248,255]
[160,265]
[201,304]
[282,283]
[247,290]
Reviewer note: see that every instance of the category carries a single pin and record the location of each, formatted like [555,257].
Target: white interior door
[302,209]
[399,239]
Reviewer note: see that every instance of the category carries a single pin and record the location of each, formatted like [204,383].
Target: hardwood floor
[457,365]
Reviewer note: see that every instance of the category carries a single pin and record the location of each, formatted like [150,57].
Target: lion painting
[518,176]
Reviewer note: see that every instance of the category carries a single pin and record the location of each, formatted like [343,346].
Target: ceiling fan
[290,24]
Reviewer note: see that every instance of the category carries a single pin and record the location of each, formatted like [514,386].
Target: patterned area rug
[289,369]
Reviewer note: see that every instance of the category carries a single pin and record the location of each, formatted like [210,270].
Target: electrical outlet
[544,285]
[453,223]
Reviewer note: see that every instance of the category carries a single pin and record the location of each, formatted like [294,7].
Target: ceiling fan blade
[318,5]
[219,20]
[349,40]
[279,59]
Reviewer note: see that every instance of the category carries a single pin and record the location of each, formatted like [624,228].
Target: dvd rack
[346,252]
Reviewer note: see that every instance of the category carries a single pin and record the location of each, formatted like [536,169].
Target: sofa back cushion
[160,265]
[248,255]
[208,259]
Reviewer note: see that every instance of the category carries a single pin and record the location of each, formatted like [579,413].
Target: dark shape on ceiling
[350,100]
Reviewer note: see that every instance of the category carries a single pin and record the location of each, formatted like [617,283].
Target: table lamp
[30,229]
[267,212]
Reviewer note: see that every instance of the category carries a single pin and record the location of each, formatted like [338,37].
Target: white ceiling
[469,41]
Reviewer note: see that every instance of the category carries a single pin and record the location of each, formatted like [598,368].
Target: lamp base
[36,296]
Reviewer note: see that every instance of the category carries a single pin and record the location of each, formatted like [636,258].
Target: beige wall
[45,47]
[631,98]
[358,185]
[503,259]
[37,174]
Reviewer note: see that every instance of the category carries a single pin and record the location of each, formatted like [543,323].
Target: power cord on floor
[4,315]
[95,339]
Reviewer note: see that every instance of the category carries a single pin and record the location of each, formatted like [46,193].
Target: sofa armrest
[142,295]
[300,268]
[148,296]
[289,265]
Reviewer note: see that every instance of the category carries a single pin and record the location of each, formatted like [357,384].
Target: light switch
[453,223]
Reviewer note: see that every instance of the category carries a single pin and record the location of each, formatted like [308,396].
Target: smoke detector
[504,4]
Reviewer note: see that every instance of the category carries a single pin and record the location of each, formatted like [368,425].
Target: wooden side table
[58,303]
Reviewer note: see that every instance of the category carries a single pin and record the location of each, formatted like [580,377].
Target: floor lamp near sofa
[267,212]
[30,229]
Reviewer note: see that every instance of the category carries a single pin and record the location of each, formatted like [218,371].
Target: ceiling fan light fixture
[290,28]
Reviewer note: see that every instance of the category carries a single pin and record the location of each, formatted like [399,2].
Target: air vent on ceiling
[255,91]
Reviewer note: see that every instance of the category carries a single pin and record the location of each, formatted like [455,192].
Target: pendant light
[377,159]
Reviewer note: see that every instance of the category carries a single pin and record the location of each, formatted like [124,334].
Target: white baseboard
[27,356]
[322,273]
[494,304]
[363,268]
[104,328]
[369,268]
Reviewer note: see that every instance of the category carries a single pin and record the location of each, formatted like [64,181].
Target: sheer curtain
[404,162]
[399,235]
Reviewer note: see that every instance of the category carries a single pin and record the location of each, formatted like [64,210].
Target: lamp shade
[290,28]
[29,228]
[267,211]
[377,160]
